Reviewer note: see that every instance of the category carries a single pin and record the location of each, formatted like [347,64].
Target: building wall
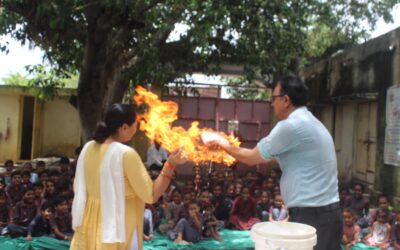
[60,128]
[9,110]
[361,74]
[56,129]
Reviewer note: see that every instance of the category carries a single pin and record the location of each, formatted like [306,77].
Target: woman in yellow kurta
[97,190]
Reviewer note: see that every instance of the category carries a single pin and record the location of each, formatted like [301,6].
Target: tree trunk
[119,88]
[98,75]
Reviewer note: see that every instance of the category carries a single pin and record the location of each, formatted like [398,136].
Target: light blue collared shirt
[306,154]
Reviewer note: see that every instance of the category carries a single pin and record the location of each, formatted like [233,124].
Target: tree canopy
[112,42]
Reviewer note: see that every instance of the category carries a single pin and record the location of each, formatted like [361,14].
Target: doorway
[366,142]
[27,127]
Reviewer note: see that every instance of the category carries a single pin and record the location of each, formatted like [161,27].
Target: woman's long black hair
[116,116]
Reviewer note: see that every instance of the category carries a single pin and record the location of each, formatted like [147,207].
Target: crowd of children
[36,201]
[378,227]
[198,209]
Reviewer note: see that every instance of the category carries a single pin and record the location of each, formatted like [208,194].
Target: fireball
[156,122]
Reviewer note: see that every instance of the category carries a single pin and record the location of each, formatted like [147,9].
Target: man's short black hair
[295,88]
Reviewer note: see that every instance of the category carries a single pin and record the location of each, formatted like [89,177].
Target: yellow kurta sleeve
[137,176]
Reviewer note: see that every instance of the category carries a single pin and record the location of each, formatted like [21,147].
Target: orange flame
[157,125]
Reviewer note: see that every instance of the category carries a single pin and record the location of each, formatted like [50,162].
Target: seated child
[269,185]
[351,230]
[148,224]
[39,199]
[395,237]
[221,204]
[2,184]
[173,208]
[198,184]
[278,212]
[277,190]
[276,174]
[15,191]
[4,210]
[213,180]
[343,196]
[383,203]
[204,198]
[221,178]
[189,187]
[230,193]
[61,222]
[50,190]
[40,225]
[238,187]
[55,176]
[243,211]
[188,230]
[164,215]
[249,178]
[210,223]
[230,177]
[9,166]
[21,215]
[359,204]
[187,198]
[33,177]
[380,231]
[25,179]
[263,206]
[44,177]
[176,205]
[40,167]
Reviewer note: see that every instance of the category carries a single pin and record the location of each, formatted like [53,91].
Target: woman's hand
[178,157]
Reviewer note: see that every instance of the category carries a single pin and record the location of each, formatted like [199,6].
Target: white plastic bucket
[283,235]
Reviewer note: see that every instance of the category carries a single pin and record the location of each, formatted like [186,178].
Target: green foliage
[323,37]
[264,36]
[15,79]
[44,82]
[243,88]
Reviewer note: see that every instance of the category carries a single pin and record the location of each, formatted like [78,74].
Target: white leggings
[134,242]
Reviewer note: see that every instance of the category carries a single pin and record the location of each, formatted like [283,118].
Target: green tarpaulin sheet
[233,239]
[361,246]
[37,243]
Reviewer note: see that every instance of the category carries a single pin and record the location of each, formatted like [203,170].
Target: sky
[20,56]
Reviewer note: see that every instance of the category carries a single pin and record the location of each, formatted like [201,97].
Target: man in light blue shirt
[306,154]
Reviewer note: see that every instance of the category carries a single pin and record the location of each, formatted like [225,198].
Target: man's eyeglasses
[273,97]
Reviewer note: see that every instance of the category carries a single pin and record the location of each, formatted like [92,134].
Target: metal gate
[249,120]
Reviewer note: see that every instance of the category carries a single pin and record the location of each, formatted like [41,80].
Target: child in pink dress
[380,231]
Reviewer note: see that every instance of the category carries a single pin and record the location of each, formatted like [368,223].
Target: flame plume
[157,121]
